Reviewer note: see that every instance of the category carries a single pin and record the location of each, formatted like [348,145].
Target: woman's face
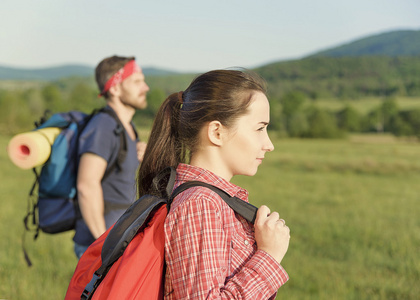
[247,142]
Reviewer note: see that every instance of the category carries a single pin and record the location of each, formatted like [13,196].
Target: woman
[220,122]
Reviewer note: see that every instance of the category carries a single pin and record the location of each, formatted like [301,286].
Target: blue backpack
[54,208]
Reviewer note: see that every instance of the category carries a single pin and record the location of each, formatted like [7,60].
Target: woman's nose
[269,145]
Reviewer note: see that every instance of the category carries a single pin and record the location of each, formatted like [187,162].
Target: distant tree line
[20,108]
[290,117]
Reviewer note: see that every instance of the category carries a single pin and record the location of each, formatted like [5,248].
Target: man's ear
[115,90]
[215,131]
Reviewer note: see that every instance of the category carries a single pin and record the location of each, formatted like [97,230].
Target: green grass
[352,207]
[353,211]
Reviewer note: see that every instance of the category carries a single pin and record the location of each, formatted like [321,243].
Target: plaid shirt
[210,252]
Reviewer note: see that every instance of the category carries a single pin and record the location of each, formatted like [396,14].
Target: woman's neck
[209,161]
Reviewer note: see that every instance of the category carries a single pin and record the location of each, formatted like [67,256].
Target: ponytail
[164,148]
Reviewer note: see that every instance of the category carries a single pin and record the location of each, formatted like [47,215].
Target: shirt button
[246,242]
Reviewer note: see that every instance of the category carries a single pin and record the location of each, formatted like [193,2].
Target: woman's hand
[271,233]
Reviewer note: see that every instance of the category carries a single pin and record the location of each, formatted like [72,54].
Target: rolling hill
[54,73]
[386,64]
[10,73]
[345,77]
[394,43]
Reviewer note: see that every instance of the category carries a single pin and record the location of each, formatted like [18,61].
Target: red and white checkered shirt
[210,251]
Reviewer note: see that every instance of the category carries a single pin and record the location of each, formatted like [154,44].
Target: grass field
[352,207]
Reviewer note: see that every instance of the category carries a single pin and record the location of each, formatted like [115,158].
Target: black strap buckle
[91,286]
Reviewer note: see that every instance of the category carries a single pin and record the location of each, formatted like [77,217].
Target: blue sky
[189,35]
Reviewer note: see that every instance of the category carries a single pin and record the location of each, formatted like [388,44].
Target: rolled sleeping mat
[31,149]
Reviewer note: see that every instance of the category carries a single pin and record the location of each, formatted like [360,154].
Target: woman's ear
[215,131]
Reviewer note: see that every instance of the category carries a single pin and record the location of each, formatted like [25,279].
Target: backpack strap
[245,209]
[118,131]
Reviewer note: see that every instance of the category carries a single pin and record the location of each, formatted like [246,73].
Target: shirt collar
[189,173]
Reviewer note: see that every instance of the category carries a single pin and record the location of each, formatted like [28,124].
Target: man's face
[134,90]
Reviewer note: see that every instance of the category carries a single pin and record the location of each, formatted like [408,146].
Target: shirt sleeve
[98,138]
[198,254]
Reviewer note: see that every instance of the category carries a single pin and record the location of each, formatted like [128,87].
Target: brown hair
[108,67]
[222,95]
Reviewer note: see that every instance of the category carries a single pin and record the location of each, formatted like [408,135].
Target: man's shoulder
[100,126]
[102,120]
[105,116]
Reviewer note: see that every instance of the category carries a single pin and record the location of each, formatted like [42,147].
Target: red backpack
[127,261]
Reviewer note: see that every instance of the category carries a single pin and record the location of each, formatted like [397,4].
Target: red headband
[129,68]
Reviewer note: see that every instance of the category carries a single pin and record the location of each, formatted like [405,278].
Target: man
[103,200]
